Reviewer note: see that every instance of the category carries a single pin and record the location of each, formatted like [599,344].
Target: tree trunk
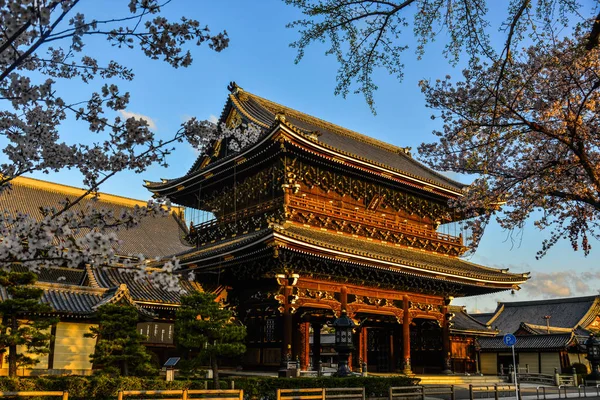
[125,368]
[215,369]
[12,349]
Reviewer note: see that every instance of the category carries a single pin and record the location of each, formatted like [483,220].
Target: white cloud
[129,114]
[561,284]
[214,119]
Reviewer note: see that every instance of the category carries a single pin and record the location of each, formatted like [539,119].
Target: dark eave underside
[374,255]
[451,267]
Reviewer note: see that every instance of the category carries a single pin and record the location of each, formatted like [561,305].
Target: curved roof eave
[290,130]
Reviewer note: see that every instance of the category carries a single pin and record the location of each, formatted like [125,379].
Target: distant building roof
[531,342]
[105,286]
[568,313]
[75,301]
[141,290]
[462,322]
[153,237]
[482,317]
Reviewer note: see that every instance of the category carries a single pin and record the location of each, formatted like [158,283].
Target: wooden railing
[321,394]
[345,393]
[301,394]
[61,394]
[370,218]
[185,394]
[246,212]
[407,392]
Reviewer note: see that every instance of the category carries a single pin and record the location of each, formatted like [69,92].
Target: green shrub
[265,388]
[105,387]
[580,368]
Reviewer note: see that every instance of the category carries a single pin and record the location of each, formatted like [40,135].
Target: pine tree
[119,348]
[207,331]
[22,324]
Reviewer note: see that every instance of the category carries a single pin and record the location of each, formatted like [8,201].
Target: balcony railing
[246,212]
[362,216]
[370,218]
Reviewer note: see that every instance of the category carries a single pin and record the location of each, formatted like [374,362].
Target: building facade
[75,293]
[550,334]
[312,219]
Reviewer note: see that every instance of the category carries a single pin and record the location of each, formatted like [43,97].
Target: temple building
[312,219]
[550,334]
[75,293]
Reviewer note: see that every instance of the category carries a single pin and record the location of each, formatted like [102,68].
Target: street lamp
[593,355]
[343,342]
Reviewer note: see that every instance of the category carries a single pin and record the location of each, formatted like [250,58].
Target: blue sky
[260,60]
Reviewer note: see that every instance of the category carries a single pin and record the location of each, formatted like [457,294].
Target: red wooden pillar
[286,350]
[362,344]
[406,337]
[304,342]
[344,308]
[447,367]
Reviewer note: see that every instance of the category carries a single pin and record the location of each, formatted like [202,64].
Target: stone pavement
[528,392]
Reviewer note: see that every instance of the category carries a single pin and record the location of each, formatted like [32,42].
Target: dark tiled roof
[344,141]
[482,317]
[533,342]
[218,247]
[83,301]
[463,322]
[564,313]
[141,290]
[153,237]
[76,300]
[425,261]
[69,276]
[337,137]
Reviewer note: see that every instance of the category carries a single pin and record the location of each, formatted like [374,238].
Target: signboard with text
[156,332]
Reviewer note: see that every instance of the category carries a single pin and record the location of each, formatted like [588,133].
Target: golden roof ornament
[234,88]
[280,116]
[314,135]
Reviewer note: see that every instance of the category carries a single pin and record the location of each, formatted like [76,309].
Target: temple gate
[312,219]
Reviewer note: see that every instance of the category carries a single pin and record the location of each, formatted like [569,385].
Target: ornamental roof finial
[234,88]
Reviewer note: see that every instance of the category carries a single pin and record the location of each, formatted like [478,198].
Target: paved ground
[529,392]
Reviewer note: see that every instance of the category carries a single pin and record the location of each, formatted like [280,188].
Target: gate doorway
[379,349]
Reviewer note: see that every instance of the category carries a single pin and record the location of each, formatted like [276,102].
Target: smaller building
[76,293]
[464,331]
[550,334]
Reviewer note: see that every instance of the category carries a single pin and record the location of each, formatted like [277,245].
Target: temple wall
[71,350]
[549,362]
[531,360]
[489,363]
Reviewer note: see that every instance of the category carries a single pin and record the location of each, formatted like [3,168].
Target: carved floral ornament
[360,190]
[299,297]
